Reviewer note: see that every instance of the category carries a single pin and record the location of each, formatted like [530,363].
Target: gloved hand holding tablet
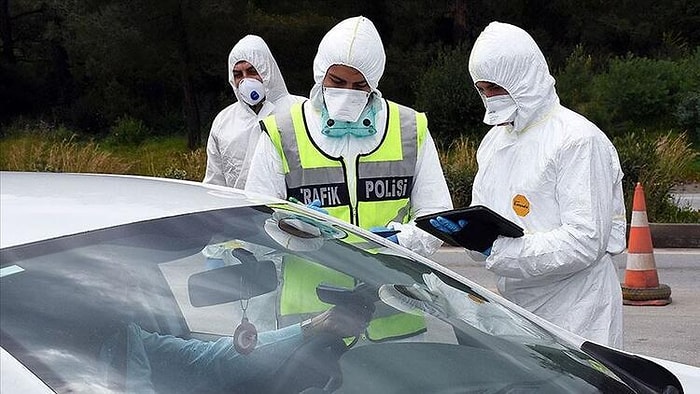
[474,228]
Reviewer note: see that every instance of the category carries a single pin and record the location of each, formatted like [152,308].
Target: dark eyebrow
[336,78]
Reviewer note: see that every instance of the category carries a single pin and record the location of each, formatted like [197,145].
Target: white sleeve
[215,172]
[429,195]
[585,194]
[266,174]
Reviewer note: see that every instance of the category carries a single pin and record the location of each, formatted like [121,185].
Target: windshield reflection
[159,306]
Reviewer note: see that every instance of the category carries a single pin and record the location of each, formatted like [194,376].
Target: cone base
[647,302]
[657,296]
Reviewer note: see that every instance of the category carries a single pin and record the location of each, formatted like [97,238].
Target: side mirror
[231,283]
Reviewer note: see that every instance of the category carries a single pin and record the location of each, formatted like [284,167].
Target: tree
[87,63]
[135,57]
[26,58]
[8,53]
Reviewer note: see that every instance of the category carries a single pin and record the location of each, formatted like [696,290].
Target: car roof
[36,206]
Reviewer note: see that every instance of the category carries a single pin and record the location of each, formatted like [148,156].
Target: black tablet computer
[484,226]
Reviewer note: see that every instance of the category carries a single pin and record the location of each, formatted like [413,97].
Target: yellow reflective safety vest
[298,300]
[382,195]
[384,176]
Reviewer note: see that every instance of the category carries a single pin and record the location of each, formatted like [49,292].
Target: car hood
[39,206]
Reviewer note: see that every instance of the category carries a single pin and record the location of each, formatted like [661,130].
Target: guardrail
[674,235]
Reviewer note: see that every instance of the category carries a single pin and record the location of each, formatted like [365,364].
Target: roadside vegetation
[41,148]
[658,163]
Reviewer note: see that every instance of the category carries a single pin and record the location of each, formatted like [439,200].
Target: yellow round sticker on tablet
[521,205]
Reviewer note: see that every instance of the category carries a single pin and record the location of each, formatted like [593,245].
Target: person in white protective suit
[260,89]
[554,173]
[362,158]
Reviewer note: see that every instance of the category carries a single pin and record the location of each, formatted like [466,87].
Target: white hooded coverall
[558,176]
[236,129]
[355,42]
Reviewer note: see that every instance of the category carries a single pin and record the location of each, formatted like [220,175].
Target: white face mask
[500,109]
[251,90]
[345,104]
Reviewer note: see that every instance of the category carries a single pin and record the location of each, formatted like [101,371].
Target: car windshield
[219,301]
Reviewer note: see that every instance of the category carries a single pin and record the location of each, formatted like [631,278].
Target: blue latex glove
[447,226]
[386,232]
[316,206]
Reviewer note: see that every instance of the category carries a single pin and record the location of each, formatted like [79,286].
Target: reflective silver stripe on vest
[391,180]
[409,144]
[298,176]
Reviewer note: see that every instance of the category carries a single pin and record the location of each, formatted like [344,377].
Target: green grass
[152,157]
[41,151]
[459,167]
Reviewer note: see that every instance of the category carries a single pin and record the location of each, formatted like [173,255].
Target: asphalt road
[670,332]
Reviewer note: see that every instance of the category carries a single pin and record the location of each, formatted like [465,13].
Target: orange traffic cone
[641,286]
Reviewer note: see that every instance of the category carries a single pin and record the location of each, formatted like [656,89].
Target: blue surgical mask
[364,126]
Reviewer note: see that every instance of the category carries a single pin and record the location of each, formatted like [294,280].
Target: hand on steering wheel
[315,362]
[339,321]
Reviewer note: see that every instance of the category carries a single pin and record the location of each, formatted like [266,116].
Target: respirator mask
[500,109]
[251,91]
[348,111]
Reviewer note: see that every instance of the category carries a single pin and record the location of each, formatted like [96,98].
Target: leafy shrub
[446,93]
[574,80]
[127,131]
[403,72]
[687,114]
[658,163]
[690,68]
[635,92]
[459,166]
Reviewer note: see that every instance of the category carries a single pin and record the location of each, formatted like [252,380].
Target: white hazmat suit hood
[356,43]
[235,131]
[255,51]
[556,175]
[508,56]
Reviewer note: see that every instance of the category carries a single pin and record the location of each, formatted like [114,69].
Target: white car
[112,284]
